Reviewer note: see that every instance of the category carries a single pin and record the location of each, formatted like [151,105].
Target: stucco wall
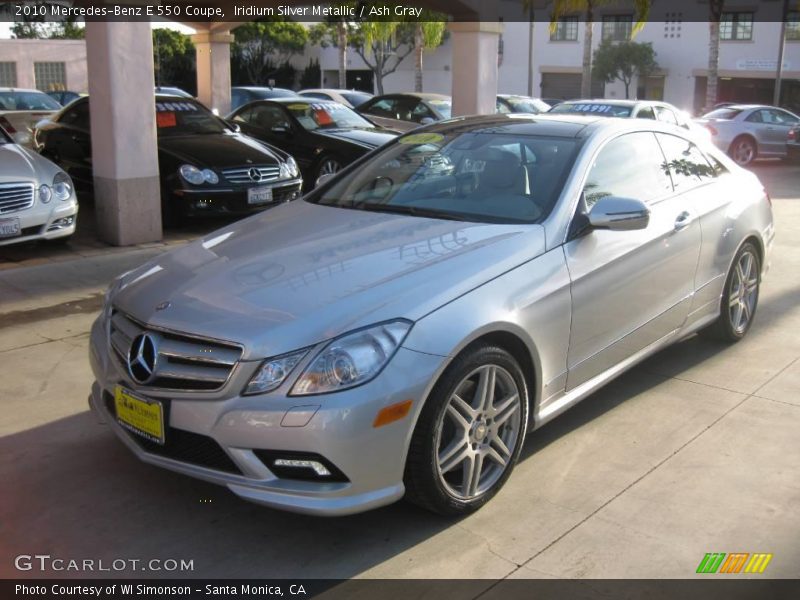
[27,52]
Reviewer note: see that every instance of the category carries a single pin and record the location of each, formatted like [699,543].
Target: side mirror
[426,121]
[323,179]
[235,127]
[619,214]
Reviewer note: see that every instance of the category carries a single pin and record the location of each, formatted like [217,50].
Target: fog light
[293,463]
[203,204]
[61,223]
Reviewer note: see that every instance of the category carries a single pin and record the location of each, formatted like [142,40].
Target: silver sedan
[750,131]
[403,328]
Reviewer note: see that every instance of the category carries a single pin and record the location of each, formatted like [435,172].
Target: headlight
[288,169]
[209,176]
[192,174]
[272,373]
[352,359]
[62,186]
[45,193]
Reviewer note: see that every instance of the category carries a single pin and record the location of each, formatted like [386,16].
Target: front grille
[15,196]
[266,173]
[183,446]
[183,363]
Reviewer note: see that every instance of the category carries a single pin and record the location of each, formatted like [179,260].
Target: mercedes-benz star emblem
[255,174]
[142,358]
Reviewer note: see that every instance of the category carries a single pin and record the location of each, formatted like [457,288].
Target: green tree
[35,27]
[261,47]
[382,45]
[428,34]
[174,59]
[624,61]
[312,75]
[587,8]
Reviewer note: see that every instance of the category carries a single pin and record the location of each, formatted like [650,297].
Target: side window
[243,116]
[267,117]
[780,117]
[501,108]
[646,112]
[688,166]
[756,117]
[77,117]
[630,166]
[382,108]
[420,112]
[666,115]
[405,109]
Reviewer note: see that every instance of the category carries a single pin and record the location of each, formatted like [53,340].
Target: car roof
[420,95]
[336,90]
[297,100]
[254,88]
[16,89]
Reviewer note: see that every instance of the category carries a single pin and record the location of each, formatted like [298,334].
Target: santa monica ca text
[141,589]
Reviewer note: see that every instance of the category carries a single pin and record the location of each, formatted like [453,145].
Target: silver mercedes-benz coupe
[399,331]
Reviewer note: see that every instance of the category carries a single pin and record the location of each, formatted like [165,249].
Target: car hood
[362,137]
[301,273]
[217,150]
[21,164]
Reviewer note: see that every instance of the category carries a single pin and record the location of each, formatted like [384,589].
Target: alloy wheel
[744,152]
[743,292]
[329,167]
[478,431]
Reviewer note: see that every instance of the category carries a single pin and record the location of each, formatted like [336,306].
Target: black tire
[323,167]
[743,150]
[426,485]
[726,328]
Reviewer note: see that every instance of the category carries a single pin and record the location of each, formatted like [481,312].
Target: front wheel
[744,151]
[329,165]
[469,434]
[740,297]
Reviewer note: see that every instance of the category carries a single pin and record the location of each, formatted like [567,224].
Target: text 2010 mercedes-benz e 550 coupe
[400,330]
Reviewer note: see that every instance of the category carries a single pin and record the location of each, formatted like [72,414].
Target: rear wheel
[470,433]
[740,297]
[744,150]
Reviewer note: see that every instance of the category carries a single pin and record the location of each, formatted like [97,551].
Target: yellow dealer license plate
[142,417]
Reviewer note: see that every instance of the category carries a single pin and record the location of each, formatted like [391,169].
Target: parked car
[513,103]
[21,109]
[37,199]
[750,131]
[64,97]
[552,101]
[206,167]
[631,109]
[350,98]
[403,327]
[243,95]
[793,143]
[322,136]
[403,112]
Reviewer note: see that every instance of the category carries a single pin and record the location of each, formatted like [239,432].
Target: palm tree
[341,41]
[427,35]
[714,17]
[587,7]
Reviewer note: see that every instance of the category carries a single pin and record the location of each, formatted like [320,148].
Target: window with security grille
[793,25]
[8,74]
[566,30]
[50,76]
[617,28]
[736,26]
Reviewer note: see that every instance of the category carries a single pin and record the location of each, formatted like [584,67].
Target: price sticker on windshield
[421,138]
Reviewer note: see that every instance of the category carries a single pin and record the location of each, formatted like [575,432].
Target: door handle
[683,220]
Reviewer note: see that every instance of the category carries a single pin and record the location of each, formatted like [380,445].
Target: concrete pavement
[694,451]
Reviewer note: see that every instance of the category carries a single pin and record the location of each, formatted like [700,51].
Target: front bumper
[57,220]
[338,427]
[232,199]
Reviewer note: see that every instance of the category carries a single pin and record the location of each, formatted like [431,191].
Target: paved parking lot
[694,451]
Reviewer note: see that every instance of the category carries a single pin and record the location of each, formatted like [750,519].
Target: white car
[37,199]
[350,98]
[20,110]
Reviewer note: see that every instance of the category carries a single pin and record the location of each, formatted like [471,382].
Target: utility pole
[776,100]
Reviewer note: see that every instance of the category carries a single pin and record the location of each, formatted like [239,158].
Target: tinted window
[356,98]
[27,101]
[327,115]
[443,107]
[266,116]
[468,176]
[725,114]
[77,116]
[646,112]
[688,166]
[630,166]
[778,117]
[384,107]
[182,117]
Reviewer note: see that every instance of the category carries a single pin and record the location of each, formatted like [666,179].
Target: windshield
[356,98]
[443,107]
[592,108]
[327,115]
[521,104]
[724,114]
[27,101]
[181,117]
[479,177]
[266,93]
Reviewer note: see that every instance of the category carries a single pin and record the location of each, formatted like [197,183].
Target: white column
[123,121]
[475,67]
[214,70]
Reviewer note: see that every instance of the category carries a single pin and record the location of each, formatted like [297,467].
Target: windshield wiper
[415,211]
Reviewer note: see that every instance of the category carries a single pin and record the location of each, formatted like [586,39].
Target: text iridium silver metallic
[399,330]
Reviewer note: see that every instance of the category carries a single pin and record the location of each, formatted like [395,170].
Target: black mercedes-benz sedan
[323,136]
[207,167]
